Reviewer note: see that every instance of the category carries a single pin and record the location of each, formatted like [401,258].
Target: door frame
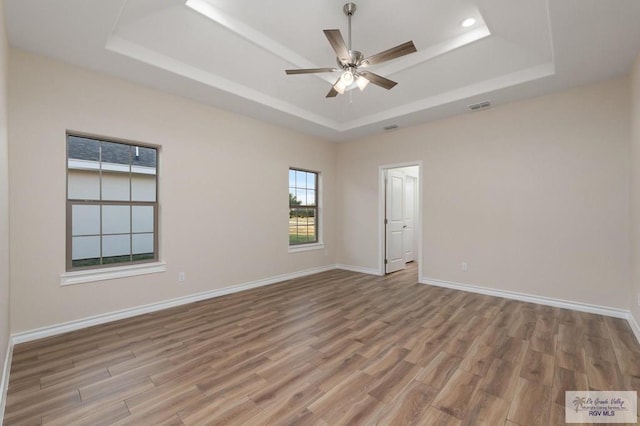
[381,213]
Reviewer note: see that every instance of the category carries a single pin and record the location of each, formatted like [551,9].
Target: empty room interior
[460,245]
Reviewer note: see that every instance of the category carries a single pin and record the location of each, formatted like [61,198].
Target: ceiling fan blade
[332,93]
[338,44]
[310,70]
[387,55]
[378,80]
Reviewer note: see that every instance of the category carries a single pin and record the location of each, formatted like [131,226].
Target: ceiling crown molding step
[230,54]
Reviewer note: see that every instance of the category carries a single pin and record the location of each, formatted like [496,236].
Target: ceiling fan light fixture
[347,77]
[340,87]
[362,82]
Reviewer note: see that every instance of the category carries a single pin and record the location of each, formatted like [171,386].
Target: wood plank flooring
[329,349]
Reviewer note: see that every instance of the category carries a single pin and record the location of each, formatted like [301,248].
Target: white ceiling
[235,57]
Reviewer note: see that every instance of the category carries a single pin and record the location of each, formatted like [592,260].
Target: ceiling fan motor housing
[355,59]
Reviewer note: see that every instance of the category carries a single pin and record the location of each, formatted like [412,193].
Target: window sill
[306,247]
[91,275]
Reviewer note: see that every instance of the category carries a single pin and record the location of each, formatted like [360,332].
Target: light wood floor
[333,348]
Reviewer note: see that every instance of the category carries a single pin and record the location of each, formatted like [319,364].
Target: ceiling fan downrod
[355,57]
[349,9]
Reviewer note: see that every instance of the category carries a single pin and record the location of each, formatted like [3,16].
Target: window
[112,203]
[303,207]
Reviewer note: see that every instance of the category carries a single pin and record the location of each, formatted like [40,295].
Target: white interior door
[394,220]
[409,230]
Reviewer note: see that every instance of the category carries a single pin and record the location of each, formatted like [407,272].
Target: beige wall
[223,191]
[533,195]
[635,189]
[4,197]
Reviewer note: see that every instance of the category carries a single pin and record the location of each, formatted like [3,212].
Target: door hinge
[385,261]
[385,221]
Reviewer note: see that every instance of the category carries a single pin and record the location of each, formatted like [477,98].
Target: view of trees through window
[303,207]
[111,202]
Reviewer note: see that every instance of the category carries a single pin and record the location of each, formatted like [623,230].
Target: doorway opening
[400,212]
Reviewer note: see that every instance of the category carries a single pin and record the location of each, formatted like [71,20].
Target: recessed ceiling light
[468,22]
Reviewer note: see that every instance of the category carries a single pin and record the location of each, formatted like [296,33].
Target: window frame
[317,242]
[126,265]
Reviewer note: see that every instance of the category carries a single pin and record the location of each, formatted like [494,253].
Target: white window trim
[92,275]
[306,247]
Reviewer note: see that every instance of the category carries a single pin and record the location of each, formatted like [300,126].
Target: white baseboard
[56,329]
[4,380]
[541,300]
[27,336]
[523,297]
[368,271]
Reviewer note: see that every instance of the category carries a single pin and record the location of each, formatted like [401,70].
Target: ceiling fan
[351,61]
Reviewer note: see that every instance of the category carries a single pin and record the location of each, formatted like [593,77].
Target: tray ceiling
[232,53]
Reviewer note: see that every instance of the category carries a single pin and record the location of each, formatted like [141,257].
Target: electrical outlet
[181,277]
[465,267]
